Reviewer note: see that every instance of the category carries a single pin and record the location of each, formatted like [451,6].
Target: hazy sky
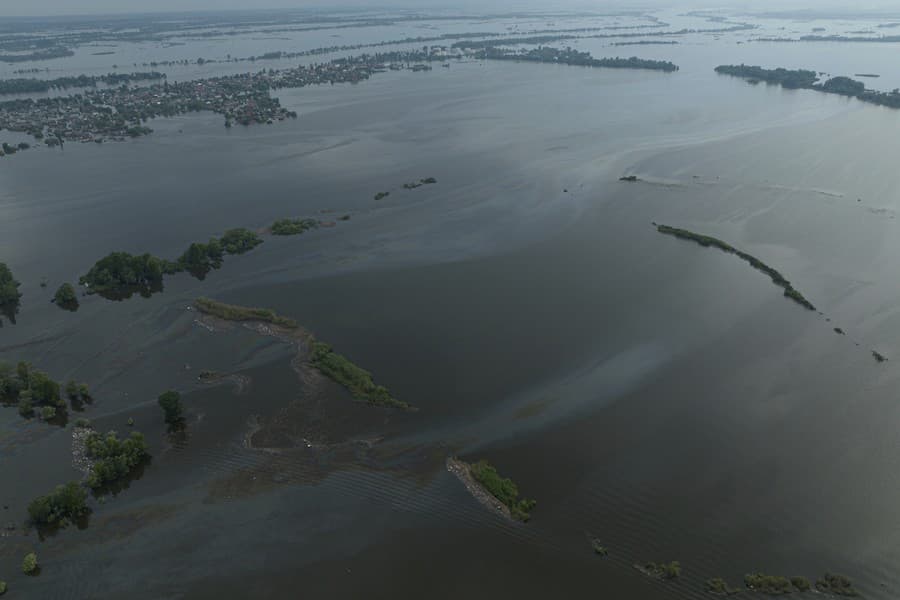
[69,7]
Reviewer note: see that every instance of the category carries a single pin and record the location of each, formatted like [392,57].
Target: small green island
[775,585]
[663,571]
[358,381]
[9,294]
[382,195]
[707,241]
[571,57]
[320,355]
[487,486]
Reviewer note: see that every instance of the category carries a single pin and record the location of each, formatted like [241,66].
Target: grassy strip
[777,278]
[502,489]
[357,380]
[230,312]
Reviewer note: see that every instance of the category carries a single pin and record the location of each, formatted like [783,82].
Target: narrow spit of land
[707,241]
[310,351]
[805,79]
[498,493]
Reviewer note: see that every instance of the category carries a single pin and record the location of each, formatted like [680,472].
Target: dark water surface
[662,397]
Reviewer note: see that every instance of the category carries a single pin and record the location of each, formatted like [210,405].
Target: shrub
[30,563]
[48,413]
[114,458]
[836,584]
[801,583]
[2,587]
[65,297]
[293,226]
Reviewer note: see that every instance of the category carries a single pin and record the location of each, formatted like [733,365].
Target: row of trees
[119,275]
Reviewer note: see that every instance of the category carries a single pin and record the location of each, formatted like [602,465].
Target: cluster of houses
[116,113]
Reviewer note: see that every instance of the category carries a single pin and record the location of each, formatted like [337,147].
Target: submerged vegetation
[63,505]
[230,312]
[114,458]
[665,571]
[808,80]
[706,241]
[719,586]
[382,195]
[293,226]
[503,489]
[415,184]
[358,381]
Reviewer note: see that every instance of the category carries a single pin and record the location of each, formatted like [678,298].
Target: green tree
[174,411]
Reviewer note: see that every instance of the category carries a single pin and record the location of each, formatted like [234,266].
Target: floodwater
[659,396]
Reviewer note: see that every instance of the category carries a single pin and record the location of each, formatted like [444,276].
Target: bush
[26,408]
[717,585]
[66,503]
[801,583]
[30,563]
[48,413]
[65,297]
[293,226]
[2,587]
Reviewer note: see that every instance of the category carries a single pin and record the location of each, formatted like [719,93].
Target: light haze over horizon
[79,7]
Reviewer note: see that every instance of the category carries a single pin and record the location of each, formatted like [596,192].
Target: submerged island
[706,241]
[808,80]
[318,355]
